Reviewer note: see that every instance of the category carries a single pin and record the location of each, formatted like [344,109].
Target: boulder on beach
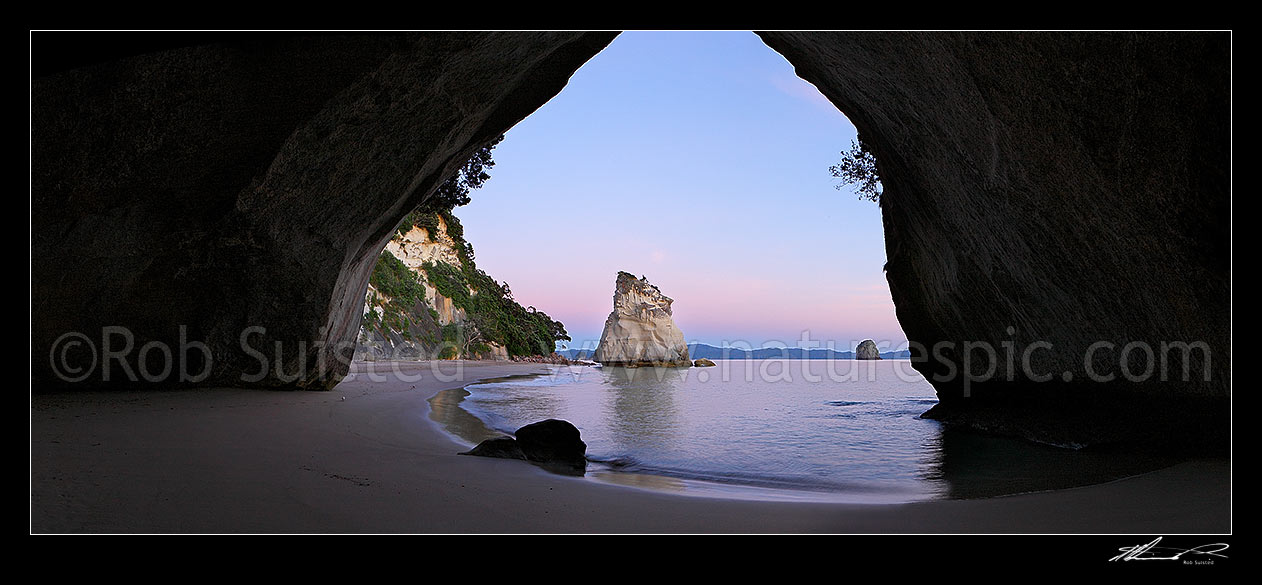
[867,351]
[500,447]
[640,332]
[703,363]
[553,443]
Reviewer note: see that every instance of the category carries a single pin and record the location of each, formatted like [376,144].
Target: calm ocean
[840,430]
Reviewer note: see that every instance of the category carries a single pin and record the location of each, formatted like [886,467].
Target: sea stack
[867,351]
[640,331]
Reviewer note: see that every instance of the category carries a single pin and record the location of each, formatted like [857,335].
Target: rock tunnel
[206,209]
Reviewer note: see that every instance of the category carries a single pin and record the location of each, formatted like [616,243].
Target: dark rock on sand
[702,363]
[500,447]
[553,443]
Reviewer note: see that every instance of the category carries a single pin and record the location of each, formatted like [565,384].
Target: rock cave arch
[226,196]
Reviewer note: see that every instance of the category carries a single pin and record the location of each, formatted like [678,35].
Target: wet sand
[367,458]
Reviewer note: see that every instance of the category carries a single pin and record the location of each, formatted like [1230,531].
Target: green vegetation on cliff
[491,308]
[491,313]
[391,277]
[398,294]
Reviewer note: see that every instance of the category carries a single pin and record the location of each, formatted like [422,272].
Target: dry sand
[366,458]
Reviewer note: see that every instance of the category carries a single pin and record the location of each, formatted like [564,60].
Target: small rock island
[640,332]
[867,351]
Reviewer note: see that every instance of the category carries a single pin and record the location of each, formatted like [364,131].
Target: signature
[1152,552]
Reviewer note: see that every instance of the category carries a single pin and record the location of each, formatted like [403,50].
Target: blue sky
[700,161]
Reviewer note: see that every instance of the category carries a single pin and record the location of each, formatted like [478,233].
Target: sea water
[843,430]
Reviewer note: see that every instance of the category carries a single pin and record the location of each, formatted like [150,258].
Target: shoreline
[466,430]
[355,460]
[1041,471]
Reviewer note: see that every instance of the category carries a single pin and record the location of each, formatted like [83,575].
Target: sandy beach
[367,458]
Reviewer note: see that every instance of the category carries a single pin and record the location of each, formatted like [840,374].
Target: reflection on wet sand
[641,480]
[444,408]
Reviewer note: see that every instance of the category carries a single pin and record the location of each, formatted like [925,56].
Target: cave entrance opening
[701,161]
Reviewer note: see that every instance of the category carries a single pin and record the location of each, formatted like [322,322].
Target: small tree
[858,167]
[473,340]
[454,192]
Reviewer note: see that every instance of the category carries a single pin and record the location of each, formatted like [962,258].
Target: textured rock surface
[640,331]
[867,350]
[1058,189]
[417,341]
[703,363]
[236,194]
[421,337]
[418,246]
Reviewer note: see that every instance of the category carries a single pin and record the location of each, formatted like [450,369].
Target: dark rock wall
[204,193]
[1071,187]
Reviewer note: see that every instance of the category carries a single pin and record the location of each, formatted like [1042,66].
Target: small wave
[619,462]
[794,483]
[844,403]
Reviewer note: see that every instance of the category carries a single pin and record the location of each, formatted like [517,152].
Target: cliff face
[640,331]
[418,246]
[418,322]
[415,248]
